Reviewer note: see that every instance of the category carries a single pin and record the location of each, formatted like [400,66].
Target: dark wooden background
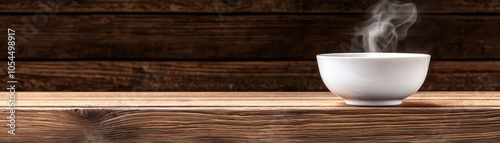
[231,45]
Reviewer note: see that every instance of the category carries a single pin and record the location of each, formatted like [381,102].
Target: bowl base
[373,102]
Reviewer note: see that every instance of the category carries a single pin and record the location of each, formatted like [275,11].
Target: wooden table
[250,117]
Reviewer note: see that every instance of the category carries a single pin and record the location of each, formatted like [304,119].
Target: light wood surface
[240,99]
[107,117]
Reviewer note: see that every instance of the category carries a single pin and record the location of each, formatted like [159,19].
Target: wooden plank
[222,76]
[239,6]
[243,37]
[456,117]
[257,125]
[238,99]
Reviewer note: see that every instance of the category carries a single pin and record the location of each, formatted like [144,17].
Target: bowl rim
[371,55]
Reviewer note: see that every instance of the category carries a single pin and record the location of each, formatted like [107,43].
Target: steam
[389,22]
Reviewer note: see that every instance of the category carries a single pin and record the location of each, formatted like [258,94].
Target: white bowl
[373,79]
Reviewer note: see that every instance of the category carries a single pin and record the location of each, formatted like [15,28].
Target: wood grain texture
[239,37]
[425,117]
[240,6]
[222,76]
[31,100]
